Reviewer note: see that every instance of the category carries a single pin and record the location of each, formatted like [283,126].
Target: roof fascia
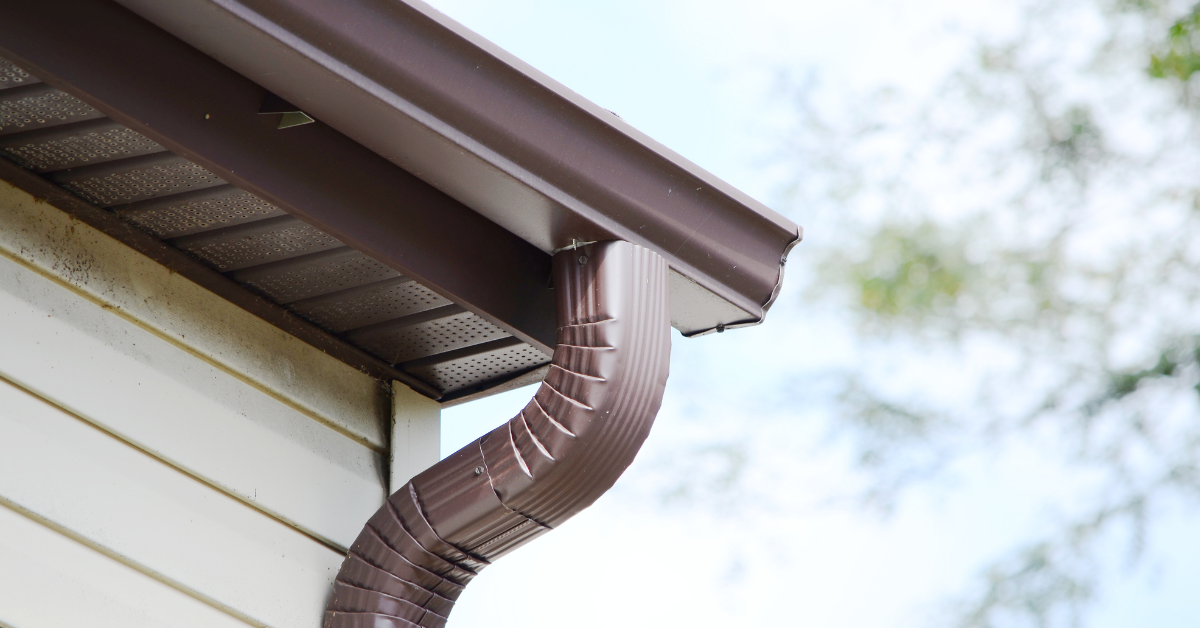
[509,142]
[157,85]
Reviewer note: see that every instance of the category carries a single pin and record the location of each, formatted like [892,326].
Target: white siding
[134,287]
[159,397]
[47,579]
[67,472]
[166,458]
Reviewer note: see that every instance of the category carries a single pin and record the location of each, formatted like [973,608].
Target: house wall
[167,458]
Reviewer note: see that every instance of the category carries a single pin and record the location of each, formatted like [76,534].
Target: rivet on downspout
[568,446]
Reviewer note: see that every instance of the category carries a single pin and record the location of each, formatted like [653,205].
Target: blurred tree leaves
[1034,223]
[1179,56]
[1016,257]
[910,272]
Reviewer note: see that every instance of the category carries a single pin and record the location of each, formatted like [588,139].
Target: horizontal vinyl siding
[165,457]
[138,289]
[122,502]
[48,579]
[160,398]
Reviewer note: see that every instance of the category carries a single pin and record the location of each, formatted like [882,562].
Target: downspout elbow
[567,447]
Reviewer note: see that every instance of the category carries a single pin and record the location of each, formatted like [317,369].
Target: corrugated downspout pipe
[565,449]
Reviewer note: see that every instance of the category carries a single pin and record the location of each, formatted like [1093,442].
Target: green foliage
[1172,363]
[1037,582]
[1052,250]
[1074,140]
[1179,55]
[909,272]
[1124,384]
[921,278]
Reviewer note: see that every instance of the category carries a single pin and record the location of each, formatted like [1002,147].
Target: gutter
[581,430]
[507,141]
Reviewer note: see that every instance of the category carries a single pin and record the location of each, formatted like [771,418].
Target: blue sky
[701,78]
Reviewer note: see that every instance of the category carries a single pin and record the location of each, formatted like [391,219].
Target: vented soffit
[248,250]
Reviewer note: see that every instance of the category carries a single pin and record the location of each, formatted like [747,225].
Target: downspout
[565,449]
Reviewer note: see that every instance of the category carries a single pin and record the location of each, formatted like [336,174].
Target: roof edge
[443,103]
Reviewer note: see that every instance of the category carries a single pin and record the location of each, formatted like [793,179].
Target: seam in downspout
[567,447]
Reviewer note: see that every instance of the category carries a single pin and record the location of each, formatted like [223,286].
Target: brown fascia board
[154,83]
[447,105]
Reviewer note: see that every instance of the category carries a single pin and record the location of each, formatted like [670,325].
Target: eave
[502,138]
[435,156]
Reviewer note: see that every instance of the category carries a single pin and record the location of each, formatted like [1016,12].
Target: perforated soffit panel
[314,275]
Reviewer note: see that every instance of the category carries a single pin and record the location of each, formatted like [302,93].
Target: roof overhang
[503,139]
[446,168]
[155,84]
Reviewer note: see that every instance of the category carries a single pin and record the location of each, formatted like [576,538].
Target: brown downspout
[565,449]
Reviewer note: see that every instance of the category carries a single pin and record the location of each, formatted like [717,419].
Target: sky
[702,77]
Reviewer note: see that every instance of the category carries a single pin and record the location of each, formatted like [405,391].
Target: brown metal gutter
[507,141]
[565,449]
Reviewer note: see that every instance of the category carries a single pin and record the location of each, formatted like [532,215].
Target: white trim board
[416,434]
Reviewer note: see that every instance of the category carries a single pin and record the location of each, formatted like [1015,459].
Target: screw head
[583,259]
[478,470]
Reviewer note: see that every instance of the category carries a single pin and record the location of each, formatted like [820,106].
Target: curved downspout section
[565,449]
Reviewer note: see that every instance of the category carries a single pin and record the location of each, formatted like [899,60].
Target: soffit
[394,325]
